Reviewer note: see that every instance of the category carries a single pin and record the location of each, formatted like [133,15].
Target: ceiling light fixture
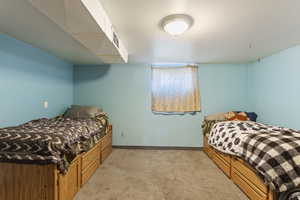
[177,24]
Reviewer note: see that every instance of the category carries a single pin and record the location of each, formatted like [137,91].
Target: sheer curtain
[175,89]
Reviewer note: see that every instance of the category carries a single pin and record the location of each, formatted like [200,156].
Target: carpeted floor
[159,175]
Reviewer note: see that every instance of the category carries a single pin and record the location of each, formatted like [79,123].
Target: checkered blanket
[273,151]
[227,136]
[276,156]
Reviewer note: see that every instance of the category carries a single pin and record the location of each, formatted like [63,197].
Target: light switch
[45,104]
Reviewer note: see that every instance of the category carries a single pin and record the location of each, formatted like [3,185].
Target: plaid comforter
[276,156]
[273,151]
[46,141]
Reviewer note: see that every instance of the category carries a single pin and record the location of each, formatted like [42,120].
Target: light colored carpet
[159,175]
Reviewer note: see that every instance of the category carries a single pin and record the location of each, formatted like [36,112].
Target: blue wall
[274,88]
[124,91]
[29,76]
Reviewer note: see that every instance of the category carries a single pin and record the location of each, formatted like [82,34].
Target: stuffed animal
[242,116]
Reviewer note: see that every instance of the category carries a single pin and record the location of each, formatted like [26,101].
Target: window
[175,89]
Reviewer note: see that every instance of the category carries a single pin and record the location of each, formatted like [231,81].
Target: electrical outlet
[45,104]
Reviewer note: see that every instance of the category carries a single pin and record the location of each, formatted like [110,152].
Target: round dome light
[176,24]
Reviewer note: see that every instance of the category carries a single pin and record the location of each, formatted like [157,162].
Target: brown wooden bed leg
[69,184]
[106,144]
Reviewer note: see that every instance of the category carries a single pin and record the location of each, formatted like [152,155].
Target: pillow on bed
[217,116]
[252,116]
[82,112]
[236,116]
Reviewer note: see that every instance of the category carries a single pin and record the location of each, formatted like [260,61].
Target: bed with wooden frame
[243,175]
[45,182]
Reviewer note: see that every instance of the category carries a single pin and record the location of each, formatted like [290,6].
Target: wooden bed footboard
[28,182]
[44,182]
[243,175]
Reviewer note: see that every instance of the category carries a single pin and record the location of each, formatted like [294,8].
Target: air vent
[116,40]
[87,22]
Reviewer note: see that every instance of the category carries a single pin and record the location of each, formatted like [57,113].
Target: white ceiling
[222,32]
[20,20]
